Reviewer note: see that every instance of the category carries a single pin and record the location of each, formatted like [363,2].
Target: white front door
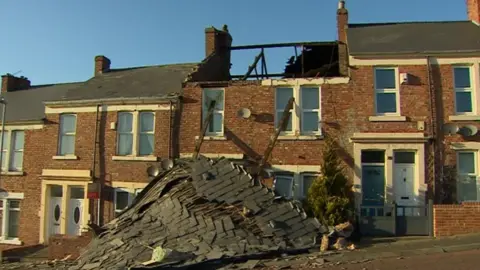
[75,209]
[404,182]
[54,214]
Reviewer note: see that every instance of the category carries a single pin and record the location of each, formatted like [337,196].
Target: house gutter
[109,101]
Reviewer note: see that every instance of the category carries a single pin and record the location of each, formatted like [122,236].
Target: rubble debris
[200,219]
[325,243]
[340,244]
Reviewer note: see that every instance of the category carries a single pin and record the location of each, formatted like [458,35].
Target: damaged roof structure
[202,210]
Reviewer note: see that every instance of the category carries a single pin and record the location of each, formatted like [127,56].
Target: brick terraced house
[400,99]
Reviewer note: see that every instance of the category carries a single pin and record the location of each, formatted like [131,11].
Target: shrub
[329,197]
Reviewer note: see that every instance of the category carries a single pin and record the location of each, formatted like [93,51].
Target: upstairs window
[16,157]
[386,91]
[12,152]
[282,97]
[215,127]
[135,133]
[66,142]
[310,106]
[463,90]
[304,117]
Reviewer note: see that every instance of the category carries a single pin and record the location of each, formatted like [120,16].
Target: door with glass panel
[75,210]
[54,210]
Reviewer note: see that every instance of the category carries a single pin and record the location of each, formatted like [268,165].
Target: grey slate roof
[413,37]
[27,105]
[196,210]
[145,82]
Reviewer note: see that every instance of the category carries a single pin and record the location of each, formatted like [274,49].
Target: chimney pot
[102,64]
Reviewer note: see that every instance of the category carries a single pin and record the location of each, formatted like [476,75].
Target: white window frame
[5,197]
[136,134]
[215,111]
[475,174]
[132,193]
[60,134]
[302,177]
[7,154]
[13,151]
[395,90]
[318,111]
[464,90]
[297,111]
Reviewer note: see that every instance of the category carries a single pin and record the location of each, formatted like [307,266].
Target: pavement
[371,253]
[378,249]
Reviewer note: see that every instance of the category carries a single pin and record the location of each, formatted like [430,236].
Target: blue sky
[56,41]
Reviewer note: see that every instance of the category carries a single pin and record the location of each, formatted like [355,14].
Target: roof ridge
[149,66]
[407,22]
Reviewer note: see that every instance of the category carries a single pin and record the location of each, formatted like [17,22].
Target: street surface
[466,260]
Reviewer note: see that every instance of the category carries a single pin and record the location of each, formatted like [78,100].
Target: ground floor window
[124,198]
[9,218]
[294,184]
[467,184]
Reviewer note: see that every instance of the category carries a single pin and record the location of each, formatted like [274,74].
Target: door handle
[405,198]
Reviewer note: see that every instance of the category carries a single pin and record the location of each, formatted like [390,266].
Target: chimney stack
[342,25]
[102,64]
[342,21]
[217,43]
[11,83]
[473,10]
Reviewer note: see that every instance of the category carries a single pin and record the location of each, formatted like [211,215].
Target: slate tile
[201,222]
[202,248]
[228,223]
[230,234]
[297,234]
[214,254]
[252,240]
[252,205]
[291,222]
[193,221]
[209,237]
[219,226]
[221,235]
[210,225]
[240,233]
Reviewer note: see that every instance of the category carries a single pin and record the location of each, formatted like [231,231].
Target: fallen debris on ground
[197,213]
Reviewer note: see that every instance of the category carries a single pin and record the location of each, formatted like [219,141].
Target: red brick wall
[107,169]
[60,246]
[41,146]
[456,219]
[345,110]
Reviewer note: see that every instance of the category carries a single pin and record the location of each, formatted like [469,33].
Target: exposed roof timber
[280,45]
[260,75]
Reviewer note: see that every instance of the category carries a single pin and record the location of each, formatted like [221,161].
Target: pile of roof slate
[201,211]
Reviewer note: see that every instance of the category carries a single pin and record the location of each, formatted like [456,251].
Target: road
[467,260]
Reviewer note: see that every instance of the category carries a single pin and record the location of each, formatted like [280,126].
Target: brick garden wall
[456,219]
[60,246]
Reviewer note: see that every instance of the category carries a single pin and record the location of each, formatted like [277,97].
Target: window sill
[14,241]
[135,158]
[464,117]
[387,118]
[213,138]
[300,138]
[13,173]
[68,157]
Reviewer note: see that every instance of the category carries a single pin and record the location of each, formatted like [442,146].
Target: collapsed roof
[202,210]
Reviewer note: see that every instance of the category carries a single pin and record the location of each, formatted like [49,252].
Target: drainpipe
[432,124]
[4,104]
[94,165]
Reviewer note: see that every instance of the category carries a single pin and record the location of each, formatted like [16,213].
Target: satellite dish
[153,171]
[244,113]
[167,164]
[468,130]
[450,129]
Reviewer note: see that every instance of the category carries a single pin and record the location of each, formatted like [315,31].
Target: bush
[329,197]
